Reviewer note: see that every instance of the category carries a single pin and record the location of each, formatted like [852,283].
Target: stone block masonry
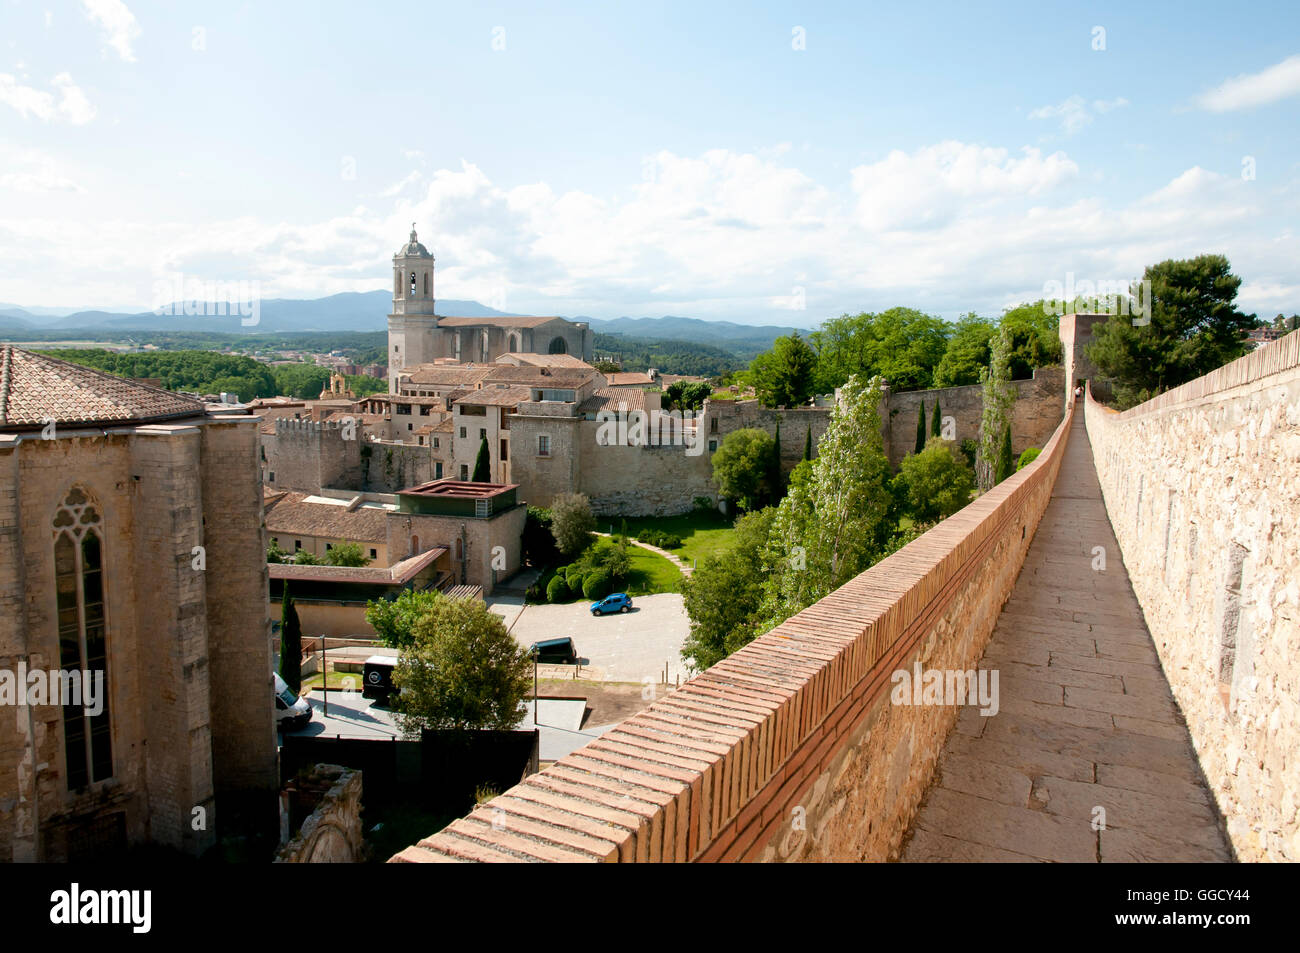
[1202,485]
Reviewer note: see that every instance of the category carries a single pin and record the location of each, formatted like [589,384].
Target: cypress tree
[807,444]
[920,428]
[482,465]
[1005,465]
[935,421]
[290,643]
[774,480]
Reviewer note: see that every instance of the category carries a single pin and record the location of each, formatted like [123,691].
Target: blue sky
[646,159]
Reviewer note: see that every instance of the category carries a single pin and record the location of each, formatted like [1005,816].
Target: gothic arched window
[557,346]
[412,284]
[483,347]
[83,639]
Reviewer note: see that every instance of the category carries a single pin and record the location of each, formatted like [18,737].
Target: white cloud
[1254,89]
[934,183]
[71,104]
[117,23]
[1075,112]
[947,228]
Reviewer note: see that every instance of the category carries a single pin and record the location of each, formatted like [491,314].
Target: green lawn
[651,573]
[701,532]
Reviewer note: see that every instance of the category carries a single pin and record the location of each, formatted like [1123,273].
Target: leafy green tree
[303,381]
[935,482]
[462,669]
[538,541]
[920,428]
[966,353]
[274,554]
[346,554]
[741,466]
[902,344]
[836,513]
[1033,338]
[290,642]
[1194,328]
[783,376]
[807,444]
[304,557]
[1029,456]
[394,619]
[686,395]
[724,594]
[936,422]
[1006,465]
[572,523]
[998,395]
[482,464]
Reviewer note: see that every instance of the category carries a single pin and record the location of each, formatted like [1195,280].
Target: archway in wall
[557,346]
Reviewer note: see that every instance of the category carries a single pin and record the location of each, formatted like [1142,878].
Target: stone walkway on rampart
[1087,723]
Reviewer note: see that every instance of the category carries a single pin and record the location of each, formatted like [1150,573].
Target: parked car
[618,602]
[377,678]
[291,712]
[555,651]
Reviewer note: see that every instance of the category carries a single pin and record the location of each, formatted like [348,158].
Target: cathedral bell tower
[413,321]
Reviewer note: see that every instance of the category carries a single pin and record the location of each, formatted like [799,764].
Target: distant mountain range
[362,311]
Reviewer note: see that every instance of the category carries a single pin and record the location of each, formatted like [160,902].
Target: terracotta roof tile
[291,514]
[501,322]
[36,388]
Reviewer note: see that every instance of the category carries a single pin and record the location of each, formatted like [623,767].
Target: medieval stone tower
[411,340]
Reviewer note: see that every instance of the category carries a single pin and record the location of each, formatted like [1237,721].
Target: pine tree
[483,464]
[807,444]
[935,421]
[920,428]
[1006,466]
[290,643]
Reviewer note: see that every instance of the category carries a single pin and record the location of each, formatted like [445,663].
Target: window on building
[435,443]
[272,476]
[505,450]
[437,470]
[713,425]
[374,554]
[297,545]
[462,433]
[464,472]
[713,446]
[410,426]
[482,433]
[83,636]
[422,441]
[328,547]
[543,445]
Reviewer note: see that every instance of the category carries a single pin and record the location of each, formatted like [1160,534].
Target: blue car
[618,602]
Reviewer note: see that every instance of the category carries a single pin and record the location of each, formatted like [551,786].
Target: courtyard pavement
[624,647]
[1088,758]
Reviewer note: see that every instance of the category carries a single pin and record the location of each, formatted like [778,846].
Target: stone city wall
[787,749]
[1202,485]
[331,834]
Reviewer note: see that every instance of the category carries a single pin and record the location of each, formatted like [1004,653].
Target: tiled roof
[449,375]
[540,376]
[290,514]
[630,398]
[547,360]
[508,322]
[496,396]
[36,388]
[395,575]
[624,378]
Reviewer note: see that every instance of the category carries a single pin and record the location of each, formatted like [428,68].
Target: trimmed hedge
[557,590]
[655,537]
[596,585]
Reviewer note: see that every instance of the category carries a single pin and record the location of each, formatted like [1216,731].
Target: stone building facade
[132,552]
[417,334]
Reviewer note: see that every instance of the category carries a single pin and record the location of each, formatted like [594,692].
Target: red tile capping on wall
[708,772]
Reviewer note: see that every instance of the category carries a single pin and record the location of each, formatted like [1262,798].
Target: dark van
[377,678]
[555,651]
